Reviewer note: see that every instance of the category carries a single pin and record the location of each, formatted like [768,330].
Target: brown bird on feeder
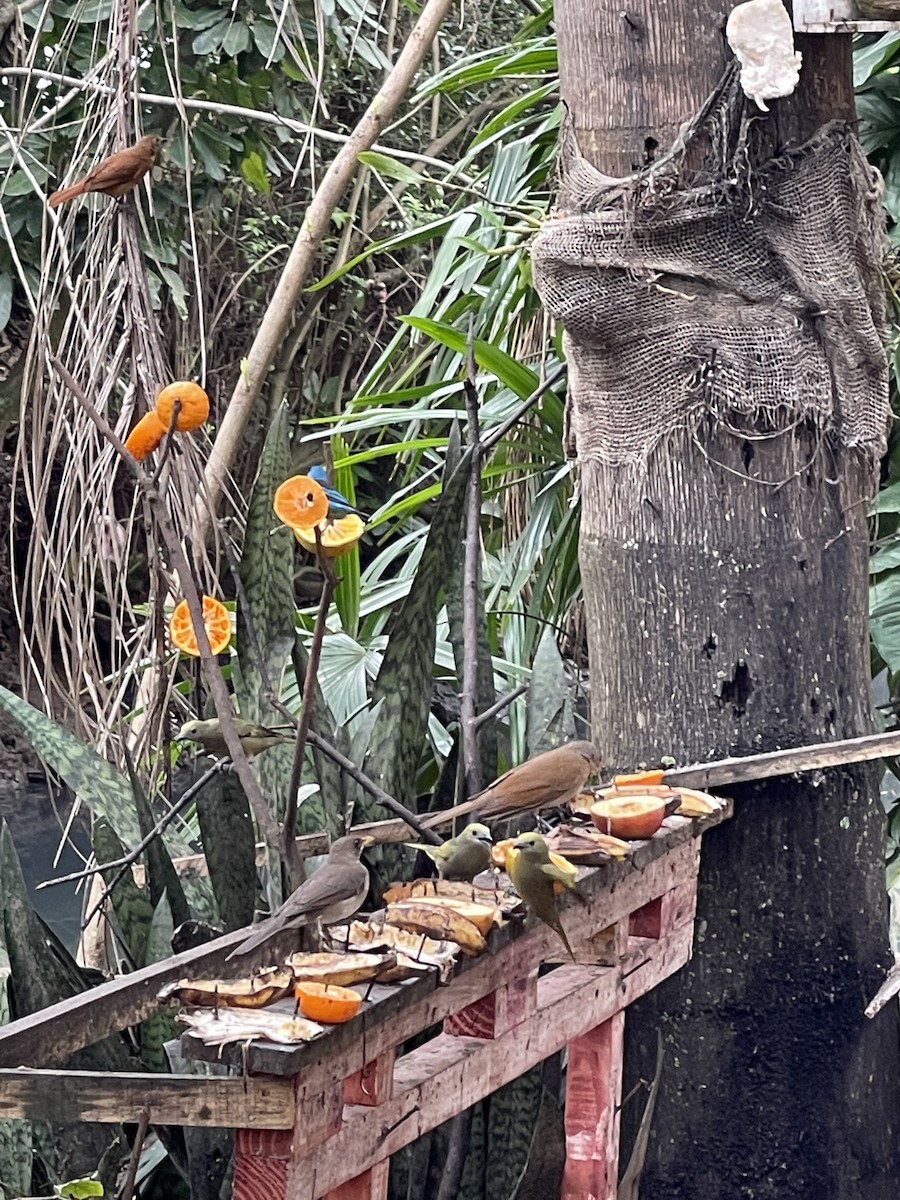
[331,894]
[545,781]
[116,174]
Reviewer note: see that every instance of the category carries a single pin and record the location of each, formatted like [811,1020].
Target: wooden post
[593,1092]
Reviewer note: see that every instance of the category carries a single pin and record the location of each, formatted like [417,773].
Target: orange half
[216,618]
[193,405]
[337,536]
[326,1002]
[300,503]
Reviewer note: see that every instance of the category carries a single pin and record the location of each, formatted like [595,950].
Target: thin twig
[491,439]
[179,563]
[289,849]
[378,794]
[133,855]
[504,702]
[471,584]
[143,1125]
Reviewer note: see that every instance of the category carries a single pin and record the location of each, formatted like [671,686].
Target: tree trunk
[727,615]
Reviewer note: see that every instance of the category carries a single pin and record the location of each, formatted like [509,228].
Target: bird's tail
[263,931]
[444,818]
[64,194]
[557,926]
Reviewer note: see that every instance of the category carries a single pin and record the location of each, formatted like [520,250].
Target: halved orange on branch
[326,1002]
[145,436]
[337,537]
[216,618]
[300,503]
[193,405]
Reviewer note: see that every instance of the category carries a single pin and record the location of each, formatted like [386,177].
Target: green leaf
[520,379]
[392,167]
[884,619]
[6,294]
[253,170]
[403,686]
[89,776]
[887,500]
[79,1189]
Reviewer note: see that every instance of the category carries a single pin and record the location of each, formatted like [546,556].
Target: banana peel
[436,921]
[233,1025]
[339,970]
[585,842]
[429,889]
[255,992]
[414,952]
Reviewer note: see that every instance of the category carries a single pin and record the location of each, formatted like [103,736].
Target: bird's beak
[486,838]
[368,840]
[518,845]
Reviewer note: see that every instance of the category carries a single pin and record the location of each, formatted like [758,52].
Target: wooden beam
[786,762]
[593,1095]
[63,1097]
[50,1034]
[448,1073]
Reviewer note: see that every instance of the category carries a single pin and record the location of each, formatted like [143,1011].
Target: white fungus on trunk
[762,37]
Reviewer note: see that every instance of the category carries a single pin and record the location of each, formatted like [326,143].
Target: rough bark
[727,616]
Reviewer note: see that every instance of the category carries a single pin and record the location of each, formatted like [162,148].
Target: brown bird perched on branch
[115,175]
[331,894]
[548,779]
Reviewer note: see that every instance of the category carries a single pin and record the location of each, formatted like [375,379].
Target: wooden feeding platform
[322,1118]
[838,16]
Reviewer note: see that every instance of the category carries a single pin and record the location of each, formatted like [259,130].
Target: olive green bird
[533,875]
[253,738]
[462,857]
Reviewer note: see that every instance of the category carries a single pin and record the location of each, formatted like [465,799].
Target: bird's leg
[368,990]
[543,825]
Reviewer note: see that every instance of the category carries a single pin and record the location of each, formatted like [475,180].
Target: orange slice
[631,817]
[300,503]
[327,1003]
[145,436]
[193,405]
[337,536]
[216,618]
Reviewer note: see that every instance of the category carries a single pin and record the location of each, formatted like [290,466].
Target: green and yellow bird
[253,738]
[462,857]
[533,875]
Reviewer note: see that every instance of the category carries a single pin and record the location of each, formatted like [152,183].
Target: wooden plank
[447,1074]
[50,1034]
[785,762]
[69,1096]
[610,893]
[593,1095]
[835,16]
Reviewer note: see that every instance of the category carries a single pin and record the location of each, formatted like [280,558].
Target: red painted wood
[647,921]
[493,1015]
[371,1185]
[371,1085]
[261,1163]
[593,1092]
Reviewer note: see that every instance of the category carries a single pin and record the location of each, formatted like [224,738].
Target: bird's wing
[327,886]
[261,932]
[552,871]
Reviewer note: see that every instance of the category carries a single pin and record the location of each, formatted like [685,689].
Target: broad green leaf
[79,1189]
[253,170]
[522,380]
[392,167]
[89,776]
[403,685]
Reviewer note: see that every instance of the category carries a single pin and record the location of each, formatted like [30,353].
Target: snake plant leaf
[90,776]
[403,685]
[15,1136]
[226,830]
[131,903]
